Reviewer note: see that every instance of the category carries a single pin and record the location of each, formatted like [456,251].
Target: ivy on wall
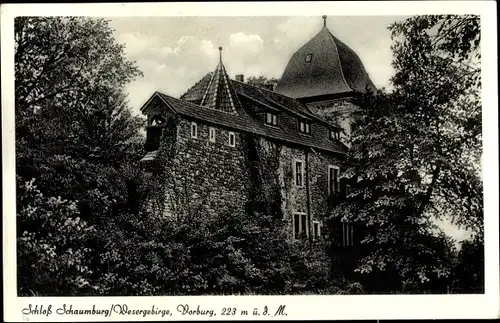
[263,188]
[161,167]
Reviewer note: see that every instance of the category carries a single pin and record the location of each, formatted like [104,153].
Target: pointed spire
[324,20]
[220,94]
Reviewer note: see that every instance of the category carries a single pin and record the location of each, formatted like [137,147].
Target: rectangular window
[334,135]
[304,126]
[333,180]
[347,233]
[194,130]
[316,230]
[211,134]
[300,225]
[232,139]
[271,119]
[299,173]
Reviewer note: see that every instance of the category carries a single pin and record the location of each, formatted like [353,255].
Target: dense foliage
[76,140]
[82,228]
[415,156]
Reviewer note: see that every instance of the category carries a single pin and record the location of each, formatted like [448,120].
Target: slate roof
[261,95]
[278,101]
[334,68]
[244,122]
[195,93]
[219,94]
[215,99]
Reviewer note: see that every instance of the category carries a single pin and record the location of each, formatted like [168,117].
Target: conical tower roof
[220,94]
[324,66]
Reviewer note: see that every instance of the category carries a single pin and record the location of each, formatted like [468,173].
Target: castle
[220,128]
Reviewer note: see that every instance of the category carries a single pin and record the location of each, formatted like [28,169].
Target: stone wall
[320,199]
[206,175]
[214,177]
[316,173]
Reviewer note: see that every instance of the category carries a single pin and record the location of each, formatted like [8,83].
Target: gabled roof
[243,122]
[331,69]
[264,96]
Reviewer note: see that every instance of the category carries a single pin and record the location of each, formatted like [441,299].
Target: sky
[175,52]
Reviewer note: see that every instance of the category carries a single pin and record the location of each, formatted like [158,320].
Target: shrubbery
[141,254]
[81,228]
[52,244]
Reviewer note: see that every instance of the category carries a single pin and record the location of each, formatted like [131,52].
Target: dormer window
[271,119]
[305,126]
[334,134]
[309,58]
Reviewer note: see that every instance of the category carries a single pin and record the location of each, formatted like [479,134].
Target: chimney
[240,78]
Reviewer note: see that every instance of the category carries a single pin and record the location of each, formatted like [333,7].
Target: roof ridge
[227,84]
[333,38]
[352,52]
[311,114]
[267,90]
[197,83]
[208,87]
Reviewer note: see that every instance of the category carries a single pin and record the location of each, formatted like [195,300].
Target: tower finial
[220,53]
[324,20]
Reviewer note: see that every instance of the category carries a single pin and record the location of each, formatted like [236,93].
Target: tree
[71,111]
[263,82]
[416,151]
[468,274]
[52,249]
[76,139]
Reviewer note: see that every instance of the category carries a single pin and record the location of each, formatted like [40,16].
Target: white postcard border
[296,307]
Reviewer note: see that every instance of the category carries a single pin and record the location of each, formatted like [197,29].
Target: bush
[52,255]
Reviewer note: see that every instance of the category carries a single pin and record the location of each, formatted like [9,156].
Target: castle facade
[223,137]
